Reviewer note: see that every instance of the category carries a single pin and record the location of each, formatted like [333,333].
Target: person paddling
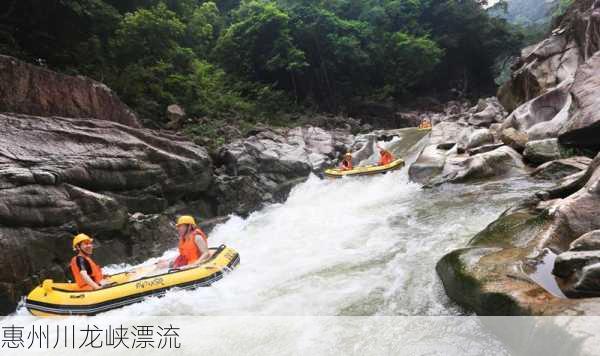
[346,164]
[385,156]
[87,273]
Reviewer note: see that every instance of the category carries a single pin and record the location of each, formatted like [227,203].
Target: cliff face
[28,89]
[555,85]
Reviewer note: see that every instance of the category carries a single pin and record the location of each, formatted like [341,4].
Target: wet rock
[479,138]
[568,263]
[33,90]
[239,195]
[501,162]
[542,151]
[515,139]
[587,242]
[428,165]
[557,169]
[589,280]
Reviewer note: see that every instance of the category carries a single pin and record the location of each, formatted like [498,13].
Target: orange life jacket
[346,164]
[187,246]
[96,273]
[385,157]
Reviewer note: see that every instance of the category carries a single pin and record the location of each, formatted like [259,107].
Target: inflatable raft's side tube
[368,170]
[58,301]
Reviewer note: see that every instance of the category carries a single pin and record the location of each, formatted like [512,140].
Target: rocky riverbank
[555,97]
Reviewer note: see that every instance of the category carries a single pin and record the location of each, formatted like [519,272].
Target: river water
[341,259]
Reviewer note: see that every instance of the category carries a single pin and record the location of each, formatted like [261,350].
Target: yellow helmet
[185,220]
[80,238]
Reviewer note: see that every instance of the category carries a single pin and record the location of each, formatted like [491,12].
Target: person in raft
[193,245]
[425,124]
[87,273]
[346,164]
[385,156]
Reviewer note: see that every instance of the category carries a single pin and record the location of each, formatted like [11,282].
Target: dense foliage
[251,58]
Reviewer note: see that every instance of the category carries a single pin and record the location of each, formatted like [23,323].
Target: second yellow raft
[366,170]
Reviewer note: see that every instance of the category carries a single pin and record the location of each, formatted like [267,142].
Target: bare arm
[203,247]
[89,280]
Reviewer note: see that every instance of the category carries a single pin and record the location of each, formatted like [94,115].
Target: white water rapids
[363,246]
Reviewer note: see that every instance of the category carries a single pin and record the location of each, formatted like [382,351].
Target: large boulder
[428,165]
[33,90]
[544,116]
[488,112]
[501,162]
[583,130]
[587,242]
[570,262]
[542,151]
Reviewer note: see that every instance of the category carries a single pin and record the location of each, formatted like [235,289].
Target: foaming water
[361,246]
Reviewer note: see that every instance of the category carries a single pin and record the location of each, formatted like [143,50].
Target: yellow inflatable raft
[366,170]
[64,298]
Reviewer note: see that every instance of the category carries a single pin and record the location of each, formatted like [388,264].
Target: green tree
[408,60]
[258,44]
[204,28]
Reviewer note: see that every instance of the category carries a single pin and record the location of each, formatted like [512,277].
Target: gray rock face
[542,151]
[583,130]
[259,167]
[541,67]
[429,165]
[587,242]
[543,117]
[33,90]
[489,111]
[554,87]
